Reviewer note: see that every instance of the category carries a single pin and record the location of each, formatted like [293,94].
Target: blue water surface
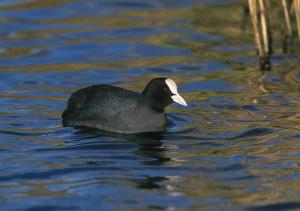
[236,145]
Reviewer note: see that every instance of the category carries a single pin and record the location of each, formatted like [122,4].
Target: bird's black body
[114,109]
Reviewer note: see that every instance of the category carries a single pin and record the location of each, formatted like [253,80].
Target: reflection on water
[235,147]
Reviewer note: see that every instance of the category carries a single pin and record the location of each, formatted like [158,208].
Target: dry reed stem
[263,20]
[287,17]
[262,25]
[297,14]
[253,15]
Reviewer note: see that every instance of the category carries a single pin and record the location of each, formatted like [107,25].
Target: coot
[118,110]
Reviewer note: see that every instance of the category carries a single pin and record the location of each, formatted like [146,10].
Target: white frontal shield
[173,88]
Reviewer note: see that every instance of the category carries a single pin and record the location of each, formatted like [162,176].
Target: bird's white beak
[178,99]
[173,88]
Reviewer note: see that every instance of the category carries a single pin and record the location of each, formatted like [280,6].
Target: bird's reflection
[150,147]
[149,144]
[150,182]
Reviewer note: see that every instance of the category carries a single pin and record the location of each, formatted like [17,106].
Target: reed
[263,21]
[296,4]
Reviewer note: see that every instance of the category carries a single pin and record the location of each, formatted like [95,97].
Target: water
[235,147]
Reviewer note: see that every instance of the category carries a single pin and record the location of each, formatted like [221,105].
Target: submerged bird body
[114,109]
